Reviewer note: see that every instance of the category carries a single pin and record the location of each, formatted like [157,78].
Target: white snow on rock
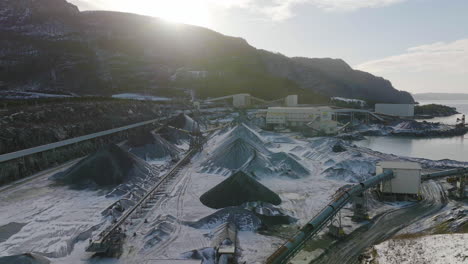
[433,249]
[349,100]
[244,149]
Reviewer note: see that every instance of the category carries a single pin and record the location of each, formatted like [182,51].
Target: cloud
[352,5]
[435,67]
[441,57]
[277,10]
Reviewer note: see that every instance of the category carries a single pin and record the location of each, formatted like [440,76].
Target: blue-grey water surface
[454,148]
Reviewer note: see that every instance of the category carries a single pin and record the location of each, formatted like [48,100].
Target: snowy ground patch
[434,249]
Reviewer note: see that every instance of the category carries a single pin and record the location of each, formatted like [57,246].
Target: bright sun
[193,12]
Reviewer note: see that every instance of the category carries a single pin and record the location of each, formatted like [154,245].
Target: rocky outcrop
[49,46]
[334,77]
[434,110]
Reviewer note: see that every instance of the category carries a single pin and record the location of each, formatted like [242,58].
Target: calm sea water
[454,148]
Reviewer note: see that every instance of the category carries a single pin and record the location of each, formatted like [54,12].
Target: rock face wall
[49,46]
[334,77]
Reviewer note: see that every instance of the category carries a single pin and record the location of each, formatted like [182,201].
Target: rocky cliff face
[49,46]
[334,77]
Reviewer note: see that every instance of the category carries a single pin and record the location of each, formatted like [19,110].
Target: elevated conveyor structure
[443,174]
[288,250]
[107,237]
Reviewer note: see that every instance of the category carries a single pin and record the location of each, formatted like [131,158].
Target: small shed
[407,177]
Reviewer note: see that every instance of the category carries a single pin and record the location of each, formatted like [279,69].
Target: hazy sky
[419,45]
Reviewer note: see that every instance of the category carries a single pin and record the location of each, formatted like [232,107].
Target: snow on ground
[30,95]
[433,249]
[56,215]
[140,97]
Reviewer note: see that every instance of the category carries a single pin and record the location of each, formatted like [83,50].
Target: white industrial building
[406,180]
[246,100]
[291,100]
[241,100]
[318,118]
[403,110]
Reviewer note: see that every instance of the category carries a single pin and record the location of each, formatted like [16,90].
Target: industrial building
[318,118]
[291,100]
[402,110]
[407,177]
[241,100]
[246,100]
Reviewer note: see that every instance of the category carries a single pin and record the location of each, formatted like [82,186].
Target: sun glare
[193,12]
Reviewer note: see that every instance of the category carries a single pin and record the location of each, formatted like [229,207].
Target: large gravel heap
[183,122]
[107,167]
[150,146]
[244,149]
[239,188]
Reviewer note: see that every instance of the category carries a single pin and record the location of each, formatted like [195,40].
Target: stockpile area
[108,167]
[265,184]
[244,203]
[237,189]
[178,130]
[150,146]
[244,149]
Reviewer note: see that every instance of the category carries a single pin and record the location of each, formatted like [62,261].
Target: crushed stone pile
[243,149]
[108,167]
[245,132]
[415,125]
[343,163]
[239,188]
[242,219]
[206,255]
[184,122]
[150,146]
[288,166]
[239,154]
[27,258]
[351,170]
[269,214]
